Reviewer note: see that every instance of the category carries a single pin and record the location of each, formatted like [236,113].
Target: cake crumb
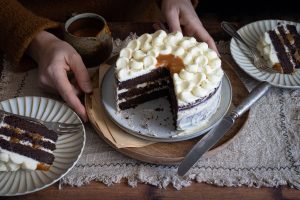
[145,126]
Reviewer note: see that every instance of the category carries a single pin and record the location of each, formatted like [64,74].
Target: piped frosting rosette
[200,74]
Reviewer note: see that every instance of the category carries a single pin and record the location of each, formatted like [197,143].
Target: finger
[81,74]
[202,35]
[76,90]
[211,43]
[75,86]
[46,84]
[172,18]
[160,26]
[66,90]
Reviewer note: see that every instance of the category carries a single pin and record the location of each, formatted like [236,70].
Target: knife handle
[259,91]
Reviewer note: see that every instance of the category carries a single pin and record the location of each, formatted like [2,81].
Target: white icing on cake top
[201,72]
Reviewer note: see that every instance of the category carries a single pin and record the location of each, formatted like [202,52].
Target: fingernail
[88,88]
[84,118]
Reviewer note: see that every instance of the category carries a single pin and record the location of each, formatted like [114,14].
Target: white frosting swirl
[149,62]
[126,52]
[138,55]
[202,71]
[145,38]
[135,65]
[134,45]
[165,50]
[122,62]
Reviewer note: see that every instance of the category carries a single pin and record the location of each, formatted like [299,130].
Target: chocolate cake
[25,144]
[280,47]
[161,64]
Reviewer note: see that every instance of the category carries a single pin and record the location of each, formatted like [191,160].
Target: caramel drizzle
[290,38]
[34,136]
[42,166]
[173,63]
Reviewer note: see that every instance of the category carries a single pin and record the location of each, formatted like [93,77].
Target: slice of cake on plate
[280,47]
[161,64]
[25,144]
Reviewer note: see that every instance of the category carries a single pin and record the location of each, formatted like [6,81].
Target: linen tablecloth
[266,153]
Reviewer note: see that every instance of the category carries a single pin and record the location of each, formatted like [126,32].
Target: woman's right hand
[55,59]
[181,16]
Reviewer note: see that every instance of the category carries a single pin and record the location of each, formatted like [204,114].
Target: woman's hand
[180,14]
[55,59]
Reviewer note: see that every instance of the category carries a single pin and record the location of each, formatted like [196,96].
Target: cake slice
[25,144]
[280,47]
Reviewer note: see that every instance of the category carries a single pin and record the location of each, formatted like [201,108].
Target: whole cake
[25,144]
[161,64]
[280,47]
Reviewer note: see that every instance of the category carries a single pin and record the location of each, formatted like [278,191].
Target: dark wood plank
[122,191]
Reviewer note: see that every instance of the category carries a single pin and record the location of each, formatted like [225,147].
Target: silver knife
[216,133]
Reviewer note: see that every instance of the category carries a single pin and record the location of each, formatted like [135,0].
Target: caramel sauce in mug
[173,63]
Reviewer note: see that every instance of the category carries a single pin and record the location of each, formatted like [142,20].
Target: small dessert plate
[251,34]
[153,120]
[68,150]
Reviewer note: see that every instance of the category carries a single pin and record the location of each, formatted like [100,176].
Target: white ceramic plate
[251,33]
[153,120]
[68,147]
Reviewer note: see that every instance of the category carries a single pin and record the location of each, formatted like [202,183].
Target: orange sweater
[21,20]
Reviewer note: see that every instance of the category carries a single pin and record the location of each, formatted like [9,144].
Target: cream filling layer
[142,85]
[26,143]
[2,124]
[133,97]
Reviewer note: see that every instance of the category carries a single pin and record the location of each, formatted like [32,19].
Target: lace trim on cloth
[266,153]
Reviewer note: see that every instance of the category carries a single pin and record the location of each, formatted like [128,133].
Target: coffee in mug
[89,34]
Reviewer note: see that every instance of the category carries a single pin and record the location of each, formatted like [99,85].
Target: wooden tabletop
[96,190]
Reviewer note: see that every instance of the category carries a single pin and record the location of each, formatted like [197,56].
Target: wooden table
[96,190]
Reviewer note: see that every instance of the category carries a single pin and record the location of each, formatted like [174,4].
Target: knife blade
[216,133]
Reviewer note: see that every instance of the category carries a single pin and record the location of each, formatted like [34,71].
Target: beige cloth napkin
[105,127]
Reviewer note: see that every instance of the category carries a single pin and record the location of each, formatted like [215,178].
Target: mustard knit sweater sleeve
[18,26]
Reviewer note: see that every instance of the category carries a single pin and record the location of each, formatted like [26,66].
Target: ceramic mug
[89,34]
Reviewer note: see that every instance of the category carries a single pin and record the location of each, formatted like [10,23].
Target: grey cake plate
[153,120]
